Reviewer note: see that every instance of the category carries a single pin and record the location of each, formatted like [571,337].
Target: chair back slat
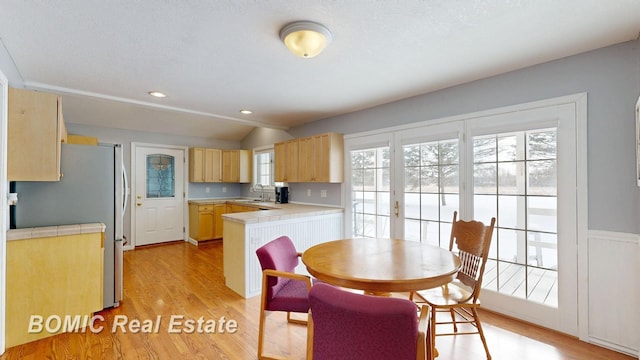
[471,240]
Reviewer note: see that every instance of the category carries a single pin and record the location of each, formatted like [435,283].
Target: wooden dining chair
[348,325]
[460,297]
[282,289]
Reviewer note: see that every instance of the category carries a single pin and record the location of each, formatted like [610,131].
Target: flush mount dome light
[305,39]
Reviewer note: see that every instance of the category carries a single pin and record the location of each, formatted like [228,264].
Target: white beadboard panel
[304,232]
[614,291]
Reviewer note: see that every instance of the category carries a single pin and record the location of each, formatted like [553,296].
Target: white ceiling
[214,58]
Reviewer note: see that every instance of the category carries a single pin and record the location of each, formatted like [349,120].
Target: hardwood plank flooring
[184,280]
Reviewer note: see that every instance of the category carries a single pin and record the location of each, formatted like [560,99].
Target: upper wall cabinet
[236,166]
[205,165]
[286,161]
[318,158]
[215,165]
[35,131]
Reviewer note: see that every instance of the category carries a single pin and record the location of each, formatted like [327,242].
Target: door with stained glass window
[159,195]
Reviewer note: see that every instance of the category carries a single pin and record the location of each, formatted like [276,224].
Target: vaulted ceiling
[215,58]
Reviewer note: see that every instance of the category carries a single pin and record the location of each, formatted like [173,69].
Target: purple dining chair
[282,289]
[347,325]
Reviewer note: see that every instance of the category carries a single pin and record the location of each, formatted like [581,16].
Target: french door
[516,165]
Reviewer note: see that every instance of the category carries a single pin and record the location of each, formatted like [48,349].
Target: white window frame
[254,181]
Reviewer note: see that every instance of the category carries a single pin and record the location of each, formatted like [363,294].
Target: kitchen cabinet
[236,166]
[201,222]
[286,161]
[218,211]
[321,158]
[52,270]
[205,220]
[35,131]
[212,165]
[196,164]
[205,165]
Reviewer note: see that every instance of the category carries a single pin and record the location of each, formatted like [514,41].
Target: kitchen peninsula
[245,232]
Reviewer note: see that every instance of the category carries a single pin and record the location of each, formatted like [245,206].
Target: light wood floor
[182,279]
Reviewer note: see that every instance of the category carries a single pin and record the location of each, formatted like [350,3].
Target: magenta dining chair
[282,289]
[347,325]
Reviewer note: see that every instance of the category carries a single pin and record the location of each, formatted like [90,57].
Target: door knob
[139,204]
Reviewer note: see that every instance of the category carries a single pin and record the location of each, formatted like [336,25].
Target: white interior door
[159,195]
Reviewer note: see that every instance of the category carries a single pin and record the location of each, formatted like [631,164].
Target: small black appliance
[282,194]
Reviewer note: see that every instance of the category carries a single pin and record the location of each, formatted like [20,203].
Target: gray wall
[610,76]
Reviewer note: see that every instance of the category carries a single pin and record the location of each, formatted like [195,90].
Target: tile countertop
[269,211]
[51,231]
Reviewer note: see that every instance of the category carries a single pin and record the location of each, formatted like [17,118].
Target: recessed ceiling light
[246,112]
[157,94]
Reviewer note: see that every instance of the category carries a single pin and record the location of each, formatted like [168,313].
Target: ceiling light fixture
[246,112]
[157,94]
[305,39]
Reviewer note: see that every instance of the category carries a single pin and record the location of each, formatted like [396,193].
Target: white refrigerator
[93,188]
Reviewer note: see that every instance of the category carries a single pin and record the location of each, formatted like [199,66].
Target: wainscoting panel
[305,232]
[614,291]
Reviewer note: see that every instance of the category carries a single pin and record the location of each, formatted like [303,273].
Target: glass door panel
[431,190]
[370,193]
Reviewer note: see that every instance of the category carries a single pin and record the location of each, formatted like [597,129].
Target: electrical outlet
[308,192]
[323,193]
[224,189]
[207,189]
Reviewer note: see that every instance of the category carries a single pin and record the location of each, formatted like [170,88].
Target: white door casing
[158,217]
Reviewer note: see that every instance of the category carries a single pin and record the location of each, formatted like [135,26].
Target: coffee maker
[282,194]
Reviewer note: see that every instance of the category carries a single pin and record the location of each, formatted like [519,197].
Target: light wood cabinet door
[35,131]
[329,158]
[293,153]
[321,158]
[212,165]
[218,211]
[306,160]
[286,161]
[205,224]
[201,222]
[196,164]
[280,160]
[236,166]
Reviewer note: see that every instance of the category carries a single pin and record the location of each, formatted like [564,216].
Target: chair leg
[432,331]
[453,319]
[261,333]
[479,326]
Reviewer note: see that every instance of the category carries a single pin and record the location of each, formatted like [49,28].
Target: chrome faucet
[261,191]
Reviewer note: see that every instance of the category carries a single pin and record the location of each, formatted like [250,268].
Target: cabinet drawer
[205,208]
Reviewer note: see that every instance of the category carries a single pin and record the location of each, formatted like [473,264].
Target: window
[431,190]
[160,176]
[263,167]
[370,192]
[515,177]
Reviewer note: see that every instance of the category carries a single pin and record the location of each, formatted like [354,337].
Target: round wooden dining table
[381,266]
